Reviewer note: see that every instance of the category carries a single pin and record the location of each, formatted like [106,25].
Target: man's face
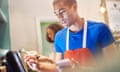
[64,13]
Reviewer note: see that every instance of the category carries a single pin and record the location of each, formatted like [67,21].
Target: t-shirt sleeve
[57,48]
[106,36]
[56,44]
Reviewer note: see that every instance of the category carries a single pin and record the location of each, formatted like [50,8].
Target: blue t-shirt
[98,36]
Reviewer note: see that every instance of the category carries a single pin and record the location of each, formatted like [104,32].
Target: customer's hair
[66,2]
[55,27]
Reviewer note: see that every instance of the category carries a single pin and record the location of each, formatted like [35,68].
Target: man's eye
[61,11]
[55,13]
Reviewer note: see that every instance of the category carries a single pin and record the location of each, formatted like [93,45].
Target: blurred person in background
[51,30]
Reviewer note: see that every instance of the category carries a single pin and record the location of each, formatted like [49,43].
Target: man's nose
[60,16]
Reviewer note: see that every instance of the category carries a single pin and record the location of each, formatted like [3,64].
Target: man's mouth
[64,21]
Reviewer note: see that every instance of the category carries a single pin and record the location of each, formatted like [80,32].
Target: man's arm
[58,56]
[109,51]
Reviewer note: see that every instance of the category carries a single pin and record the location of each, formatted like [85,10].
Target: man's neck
[77,26]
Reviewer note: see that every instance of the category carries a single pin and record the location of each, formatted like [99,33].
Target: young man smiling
[99,38]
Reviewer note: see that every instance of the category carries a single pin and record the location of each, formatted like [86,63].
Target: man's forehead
[59,2]
[59,5]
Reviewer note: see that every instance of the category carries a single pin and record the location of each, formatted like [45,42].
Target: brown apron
[81,55]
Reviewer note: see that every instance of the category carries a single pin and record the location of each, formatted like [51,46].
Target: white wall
[90,9]
[23,15]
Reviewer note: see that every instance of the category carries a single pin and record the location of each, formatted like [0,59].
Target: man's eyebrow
[61,10]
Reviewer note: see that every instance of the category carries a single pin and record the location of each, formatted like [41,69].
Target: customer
[52,29]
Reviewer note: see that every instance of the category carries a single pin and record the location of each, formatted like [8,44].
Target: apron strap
[67,40]
[84,36]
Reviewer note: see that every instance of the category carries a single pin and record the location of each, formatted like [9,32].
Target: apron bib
[82,55]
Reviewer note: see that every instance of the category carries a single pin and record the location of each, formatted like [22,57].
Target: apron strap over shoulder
[84,36]
[67,40]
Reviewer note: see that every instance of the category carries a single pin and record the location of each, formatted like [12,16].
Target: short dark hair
[55,27]
[66,2]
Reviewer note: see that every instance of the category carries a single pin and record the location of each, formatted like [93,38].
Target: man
[41,63]
[99,38]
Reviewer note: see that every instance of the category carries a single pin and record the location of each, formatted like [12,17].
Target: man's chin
[65,25]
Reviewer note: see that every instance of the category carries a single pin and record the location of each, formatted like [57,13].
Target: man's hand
[41,63]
